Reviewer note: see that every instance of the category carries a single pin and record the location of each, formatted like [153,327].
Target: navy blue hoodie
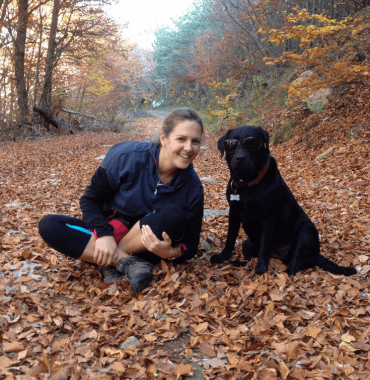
[128,182]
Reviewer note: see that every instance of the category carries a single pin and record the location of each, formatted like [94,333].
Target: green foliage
[119,121]
[173,41]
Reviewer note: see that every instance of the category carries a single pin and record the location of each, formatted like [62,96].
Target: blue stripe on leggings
[80,229]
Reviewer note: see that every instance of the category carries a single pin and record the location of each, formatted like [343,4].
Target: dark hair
[180,114]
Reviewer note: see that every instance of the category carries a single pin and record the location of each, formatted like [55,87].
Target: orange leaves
[221,322]
[13,347]
[184,370]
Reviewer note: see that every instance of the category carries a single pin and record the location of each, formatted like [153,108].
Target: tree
[19,53]
[72,30]
[173,43]
[51,58]
[337,49]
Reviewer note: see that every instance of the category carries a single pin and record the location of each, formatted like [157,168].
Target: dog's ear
[221,141]
[266,137]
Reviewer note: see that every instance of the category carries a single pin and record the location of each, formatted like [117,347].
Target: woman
[144,204]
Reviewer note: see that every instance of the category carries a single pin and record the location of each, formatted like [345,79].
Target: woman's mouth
[184,156]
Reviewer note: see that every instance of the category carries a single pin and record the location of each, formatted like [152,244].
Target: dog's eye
[252,144]
[231,145]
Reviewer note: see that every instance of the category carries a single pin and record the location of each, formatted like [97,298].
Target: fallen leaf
[312,331]
[117,367]
[184,370]
[207,350]
[5,361]
[13,346]
[214,363]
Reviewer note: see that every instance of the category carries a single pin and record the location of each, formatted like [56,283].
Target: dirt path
[197,319]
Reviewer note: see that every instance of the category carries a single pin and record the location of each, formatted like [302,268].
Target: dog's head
[247,151]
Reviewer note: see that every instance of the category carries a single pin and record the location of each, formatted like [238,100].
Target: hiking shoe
[138,272]
[110,274]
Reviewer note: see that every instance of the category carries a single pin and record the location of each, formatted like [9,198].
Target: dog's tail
[331,267]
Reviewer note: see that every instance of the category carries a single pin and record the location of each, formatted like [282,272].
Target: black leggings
[70,235]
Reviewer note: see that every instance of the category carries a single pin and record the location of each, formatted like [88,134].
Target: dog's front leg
[232,234]
[264,252]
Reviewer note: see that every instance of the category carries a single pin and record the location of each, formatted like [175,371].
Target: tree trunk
[38,60]
[19,52]
[45,100]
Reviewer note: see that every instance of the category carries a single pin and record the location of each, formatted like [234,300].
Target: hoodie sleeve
[99,191]
[193,228]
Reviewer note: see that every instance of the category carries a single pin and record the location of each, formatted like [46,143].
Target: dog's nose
[239,155]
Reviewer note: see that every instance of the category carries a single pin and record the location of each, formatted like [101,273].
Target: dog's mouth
[242,171]
[249,177]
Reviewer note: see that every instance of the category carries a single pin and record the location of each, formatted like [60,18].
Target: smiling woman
[144,204]
[179,145]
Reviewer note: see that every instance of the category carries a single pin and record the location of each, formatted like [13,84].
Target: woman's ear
[162,138]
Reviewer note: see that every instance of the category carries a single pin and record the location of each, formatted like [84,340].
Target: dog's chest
[253,210]
[248,207]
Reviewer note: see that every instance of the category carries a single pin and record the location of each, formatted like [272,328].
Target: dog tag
[234,197]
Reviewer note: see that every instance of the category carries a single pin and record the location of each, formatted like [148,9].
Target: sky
[144,16]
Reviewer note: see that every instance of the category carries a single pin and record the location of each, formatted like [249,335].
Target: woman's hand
[160,248]
[105,253]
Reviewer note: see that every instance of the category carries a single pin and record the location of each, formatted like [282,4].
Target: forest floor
[58,320]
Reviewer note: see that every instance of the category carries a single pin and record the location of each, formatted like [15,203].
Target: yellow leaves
[225,94]
[100,85]
[318,37]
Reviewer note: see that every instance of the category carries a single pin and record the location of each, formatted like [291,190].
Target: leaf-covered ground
[222,321]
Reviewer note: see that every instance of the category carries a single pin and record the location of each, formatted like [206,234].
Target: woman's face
[182,145]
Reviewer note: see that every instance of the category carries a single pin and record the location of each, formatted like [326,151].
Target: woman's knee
[169,218]
[46,224]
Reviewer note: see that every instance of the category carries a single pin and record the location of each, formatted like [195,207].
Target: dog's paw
[218,259]
[290,271]
[249,250]
[238,263]
[261,268]
[349,271]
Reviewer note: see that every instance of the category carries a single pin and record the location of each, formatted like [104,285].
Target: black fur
[271,217]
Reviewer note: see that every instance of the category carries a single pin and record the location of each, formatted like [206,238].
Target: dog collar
[235,185]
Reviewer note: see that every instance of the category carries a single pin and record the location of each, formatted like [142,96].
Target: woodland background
[71,87]
[221,57]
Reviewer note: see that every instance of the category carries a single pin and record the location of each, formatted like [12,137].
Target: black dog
[261,201]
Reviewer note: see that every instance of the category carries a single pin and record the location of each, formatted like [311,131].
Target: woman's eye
[181,139]
[196,142]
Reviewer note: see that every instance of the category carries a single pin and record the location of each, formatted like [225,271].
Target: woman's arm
[99,191]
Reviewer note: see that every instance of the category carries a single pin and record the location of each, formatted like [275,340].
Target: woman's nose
[188,146]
